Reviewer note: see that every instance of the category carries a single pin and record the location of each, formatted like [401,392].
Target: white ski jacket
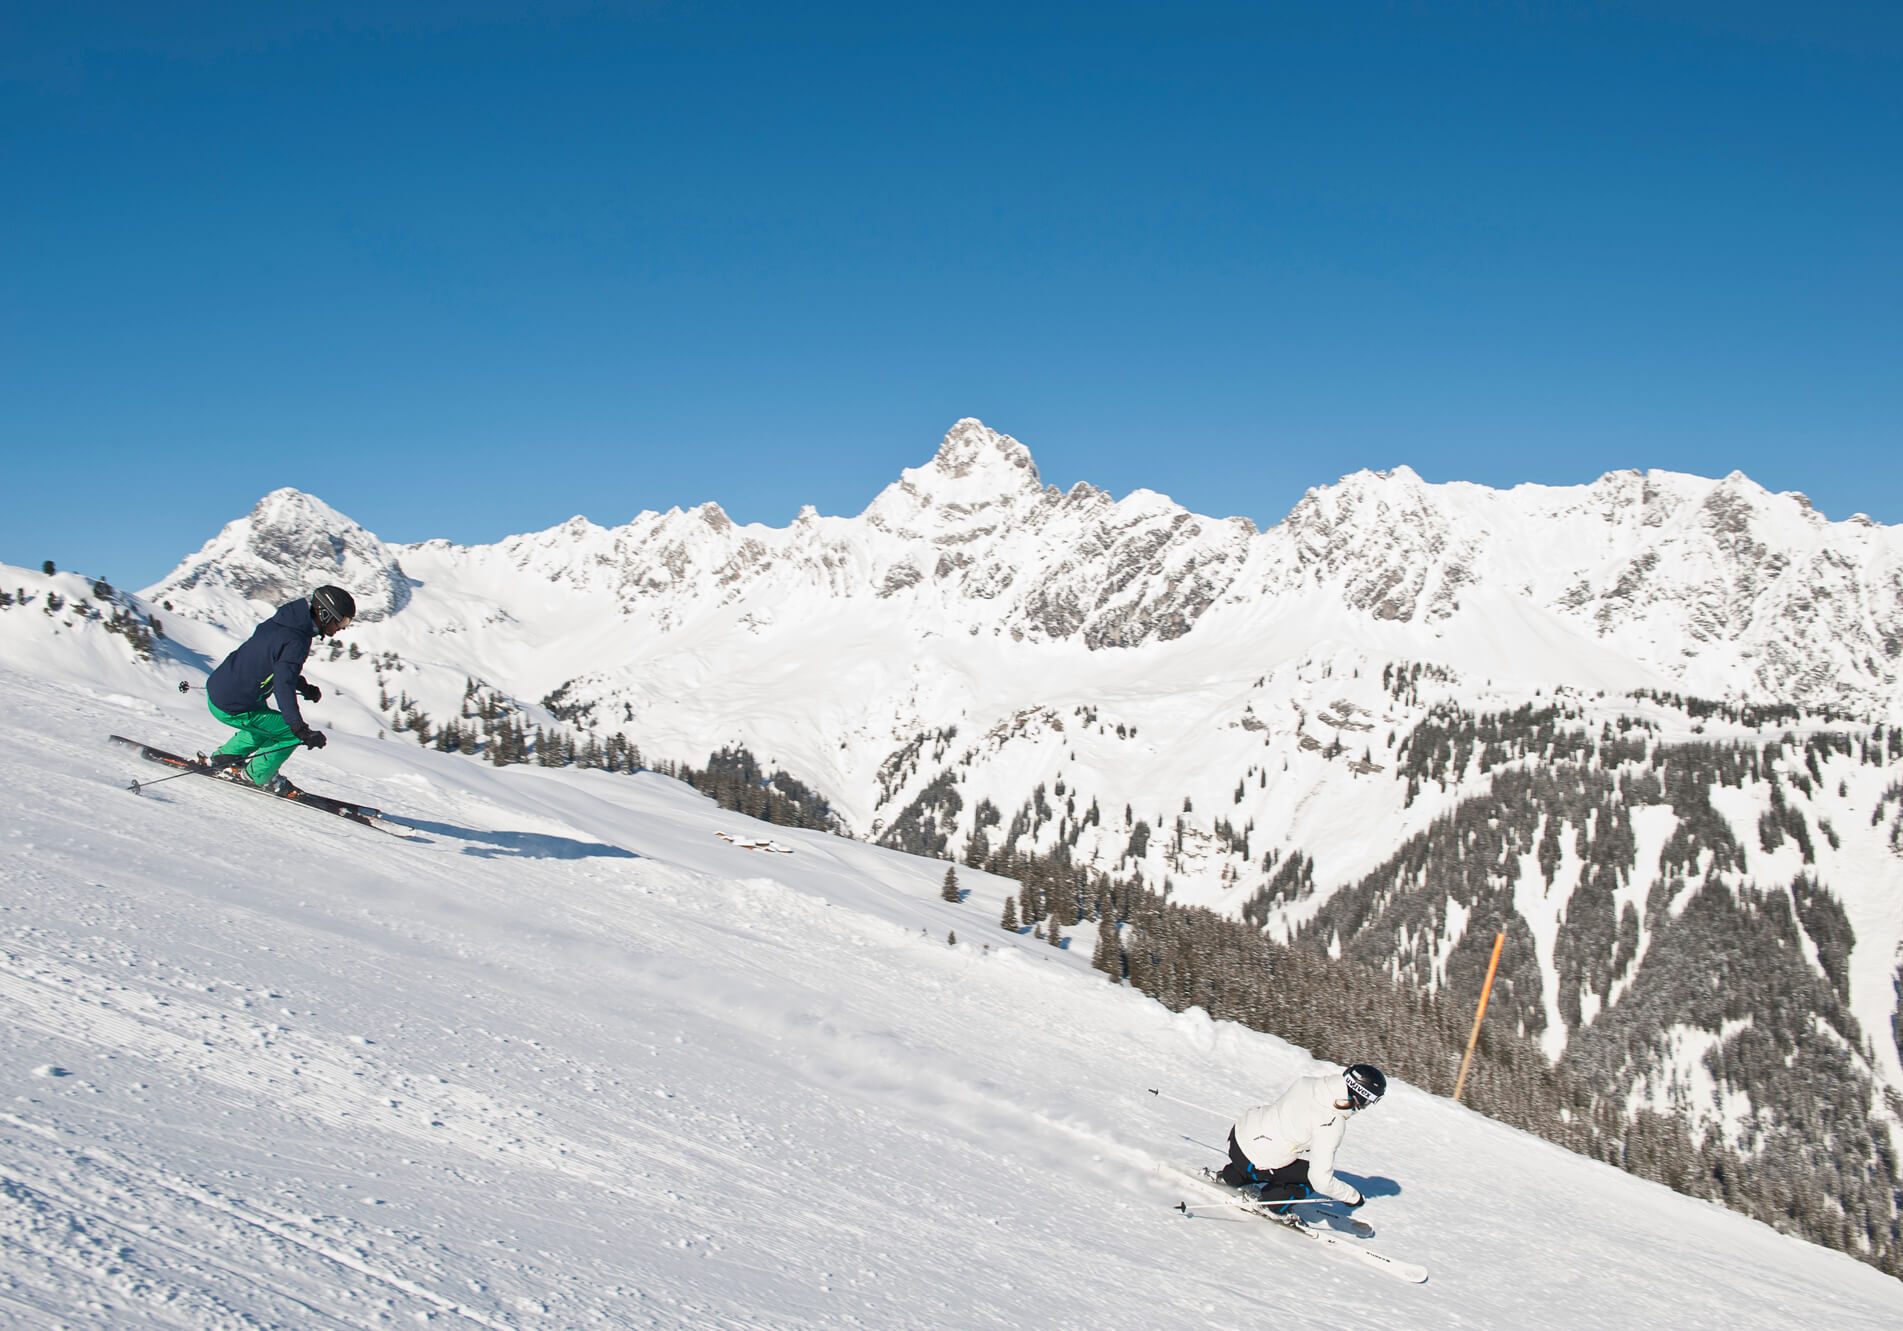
[1303,1122]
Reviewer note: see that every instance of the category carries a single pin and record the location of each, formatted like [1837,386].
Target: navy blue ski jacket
[268,665]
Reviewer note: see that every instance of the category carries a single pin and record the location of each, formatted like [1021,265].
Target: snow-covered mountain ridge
[1716,587]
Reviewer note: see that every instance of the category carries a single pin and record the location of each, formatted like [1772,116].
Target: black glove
[308,691]
[314,738]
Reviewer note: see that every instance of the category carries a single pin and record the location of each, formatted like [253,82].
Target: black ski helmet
[1366,1083]
[332,607]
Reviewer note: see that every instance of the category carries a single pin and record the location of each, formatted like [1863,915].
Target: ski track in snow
[570,1060]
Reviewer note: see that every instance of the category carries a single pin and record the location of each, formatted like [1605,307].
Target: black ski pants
[1278,1185]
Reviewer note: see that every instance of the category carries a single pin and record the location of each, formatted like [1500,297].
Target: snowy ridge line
[1628,566]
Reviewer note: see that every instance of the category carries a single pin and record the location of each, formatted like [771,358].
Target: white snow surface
[570,1059]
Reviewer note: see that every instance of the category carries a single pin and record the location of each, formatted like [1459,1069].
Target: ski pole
[138,787]
[1188,1207]
[1165,1095]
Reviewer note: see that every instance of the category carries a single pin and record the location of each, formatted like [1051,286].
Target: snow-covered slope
[570,1060]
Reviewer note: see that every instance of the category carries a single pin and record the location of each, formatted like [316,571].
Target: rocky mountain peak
[289,543]
[971,450]
[1365,512]
[972,483]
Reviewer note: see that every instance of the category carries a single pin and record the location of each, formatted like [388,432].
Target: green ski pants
[263,733]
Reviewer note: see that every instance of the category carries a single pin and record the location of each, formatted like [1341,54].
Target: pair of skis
[356,813]
[1342,1244]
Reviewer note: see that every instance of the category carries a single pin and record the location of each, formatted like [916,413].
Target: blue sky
[466,270]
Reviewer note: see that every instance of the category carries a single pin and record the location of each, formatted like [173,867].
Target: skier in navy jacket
[269,666]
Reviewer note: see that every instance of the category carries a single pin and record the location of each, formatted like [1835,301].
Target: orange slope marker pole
[1460,1082]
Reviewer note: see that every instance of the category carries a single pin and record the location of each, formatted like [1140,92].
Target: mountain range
[1718,588]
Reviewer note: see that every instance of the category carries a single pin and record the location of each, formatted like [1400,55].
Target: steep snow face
[290,543]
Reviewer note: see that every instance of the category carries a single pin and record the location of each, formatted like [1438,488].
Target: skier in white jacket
[1289,1147]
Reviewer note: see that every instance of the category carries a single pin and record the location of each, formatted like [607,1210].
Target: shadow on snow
[521,845]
